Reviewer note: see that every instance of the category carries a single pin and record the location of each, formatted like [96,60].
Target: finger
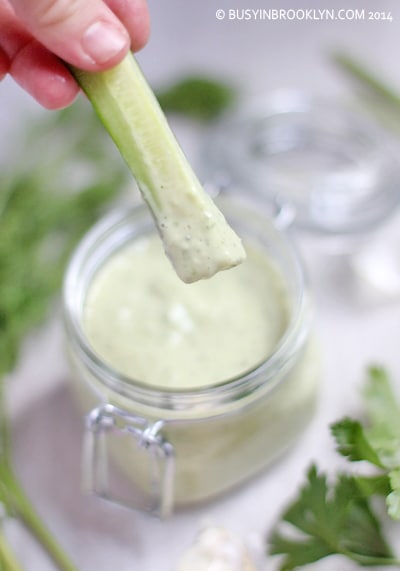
[39,72]
[4,64]
[134,14]
[85,33]
[44,76]
[13,35]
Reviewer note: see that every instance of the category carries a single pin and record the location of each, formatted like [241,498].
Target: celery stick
[196,236]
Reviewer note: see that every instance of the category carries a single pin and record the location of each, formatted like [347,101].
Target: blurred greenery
[198,97]
[60,181]
[379,98]
[45,206]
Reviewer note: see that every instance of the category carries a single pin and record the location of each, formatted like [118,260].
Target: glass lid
[334,168]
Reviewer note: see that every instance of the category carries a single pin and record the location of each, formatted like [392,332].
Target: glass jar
[158,449]
[332,166]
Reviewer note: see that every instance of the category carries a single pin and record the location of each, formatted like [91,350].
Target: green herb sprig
[378,443]
[336,517]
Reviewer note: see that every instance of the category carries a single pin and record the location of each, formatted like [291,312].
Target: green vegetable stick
[196,236]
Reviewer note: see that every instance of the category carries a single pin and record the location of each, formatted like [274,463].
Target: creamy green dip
[142,320]
[149,325]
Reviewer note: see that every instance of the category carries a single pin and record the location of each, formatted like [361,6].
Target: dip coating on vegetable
[197,239]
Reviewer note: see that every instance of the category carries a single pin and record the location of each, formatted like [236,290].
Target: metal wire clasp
[140,476]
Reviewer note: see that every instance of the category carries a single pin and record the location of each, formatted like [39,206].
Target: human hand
[35,35]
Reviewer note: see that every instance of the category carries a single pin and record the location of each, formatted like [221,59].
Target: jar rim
[281,357]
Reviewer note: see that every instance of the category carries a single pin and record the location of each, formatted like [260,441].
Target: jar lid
[328,163]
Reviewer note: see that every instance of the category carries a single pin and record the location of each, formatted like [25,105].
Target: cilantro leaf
[352,442]
[380,402]
[383,433]
[330,519]
[378,485]
[393,498]
[379,442]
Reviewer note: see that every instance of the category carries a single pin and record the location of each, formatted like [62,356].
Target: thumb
[85,33]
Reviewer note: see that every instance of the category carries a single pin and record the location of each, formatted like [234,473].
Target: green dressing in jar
[194,388]
[149,325]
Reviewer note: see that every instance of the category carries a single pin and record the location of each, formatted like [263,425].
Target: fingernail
[103,41]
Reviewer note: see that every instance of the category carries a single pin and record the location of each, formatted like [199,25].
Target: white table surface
[355,326]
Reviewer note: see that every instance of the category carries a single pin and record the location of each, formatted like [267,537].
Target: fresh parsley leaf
[330,520]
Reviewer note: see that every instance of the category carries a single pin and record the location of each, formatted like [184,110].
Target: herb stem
[366,560]
[4,428]
[26,513]
[362,74]
[7,560]
[19,504]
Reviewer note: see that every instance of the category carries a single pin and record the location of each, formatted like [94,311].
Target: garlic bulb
[216,549]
